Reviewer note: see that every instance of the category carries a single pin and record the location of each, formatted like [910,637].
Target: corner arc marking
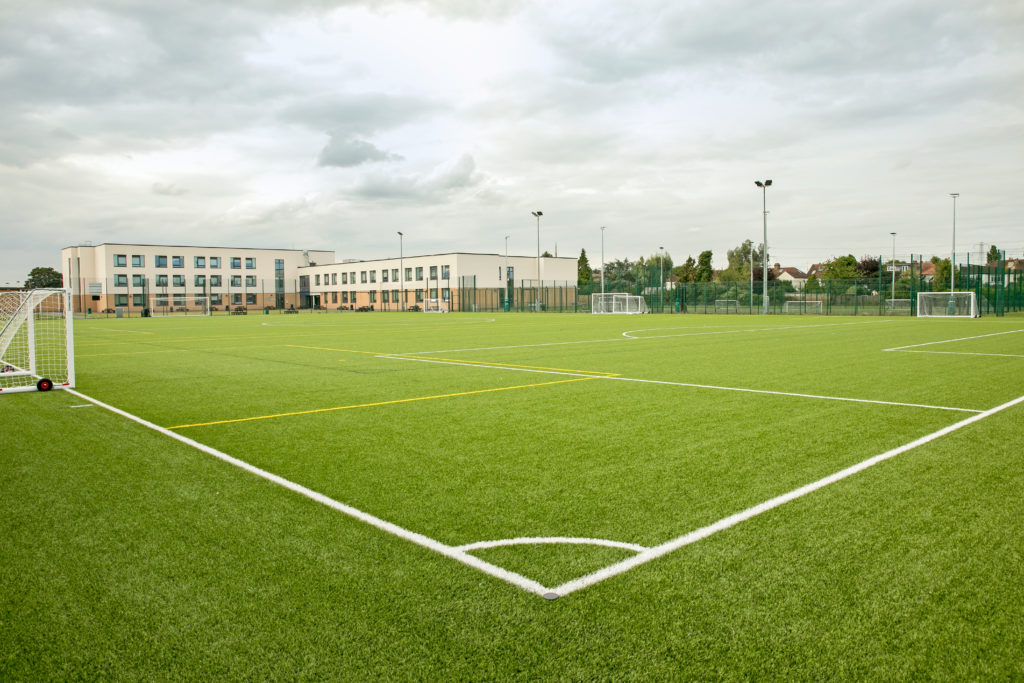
[540,540]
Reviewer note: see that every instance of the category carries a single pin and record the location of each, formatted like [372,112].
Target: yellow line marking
[504,365]
[324,348]
[379,403]
[129,353]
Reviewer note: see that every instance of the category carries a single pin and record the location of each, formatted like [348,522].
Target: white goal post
[37,349]
[179,304]
[803,307]
[947,305]
[897,305]
[726,304]
[433,306]
[616,302]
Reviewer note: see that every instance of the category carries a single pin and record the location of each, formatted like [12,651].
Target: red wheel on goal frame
[44,385]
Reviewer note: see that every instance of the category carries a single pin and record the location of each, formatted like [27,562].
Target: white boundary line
[628,333]
[732,520]
[967,353]
[949,341]
[456,554]
[681,384]
[539,540]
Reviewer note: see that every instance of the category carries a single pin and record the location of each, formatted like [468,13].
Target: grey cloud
[437,186]
[168,189]
[358,114]
[347,152]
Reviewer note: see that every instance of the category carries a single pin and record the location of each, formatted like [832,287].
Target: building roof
[186,246]
[816,269]
[794,273]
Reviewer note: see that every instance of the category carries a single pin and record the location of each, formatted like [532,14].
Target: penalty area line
[655,552]
[448,551]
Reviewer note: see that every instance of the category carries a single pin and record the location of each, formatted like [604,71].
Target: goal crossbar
[617,303]
[947,305]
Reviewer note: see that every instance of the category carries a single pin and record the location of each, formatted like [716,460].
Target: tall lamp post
[892,264]
[952,256]
[537,215]
[504,279]
[401,264]
[602,260]
[764,245]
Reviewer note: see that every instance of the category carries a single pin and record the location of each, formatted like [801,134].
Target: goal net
[179,304]
[433,306]
[614,302]
[947,305]
[36,344]
[726,305]
[802,307]
[897,306]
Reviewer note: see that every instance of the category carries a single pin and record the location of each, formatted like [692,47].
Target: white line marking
[948,341]
[966,353]
[628,333]
[537,540]
[84,405]
[687,384]
[526,584]
[653,553]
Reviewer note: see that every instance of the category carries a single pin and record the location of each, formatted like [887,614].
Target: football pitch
[510,496]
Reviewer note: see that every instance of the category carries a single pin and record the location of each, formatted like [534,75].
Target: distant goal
[614,302]
[179,304]
[897,306]
[947,305]
[802,307]
[727,305]
[37,349]
[434,306]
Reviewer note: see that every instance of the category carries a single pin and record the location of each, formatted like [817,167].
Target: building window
[250,299]
[352,277]
[394,274]
[201,281]
[433,292]
[179,281]
[344,278]
[120,260]
[433,273]
[344,297]
[384,296]
[161,280]
[160,301]
[161,261]
[384,275]
[120,299]
[138,280]
[178,261]
[334,297]
[250,263]
[138,261]
[236,299]
[445,294]
[334,278]
[419,296]
[446,273]
[120,280]
[138,300]
[373,297]
[408,274]
[199,261]
[236,262]
[215,261]
[215,280]
[178,300]
[250,280]
[215,300]
[236,280]
[373,276]
[316,279]
[362,276]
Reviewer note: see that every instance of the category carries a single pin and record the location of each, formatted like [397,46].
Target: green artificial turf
[126,554]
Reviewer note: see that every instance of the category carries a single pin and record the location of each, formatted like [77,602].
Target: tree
[993,255]
[704,271]
[546,254]
[812,286]
[584,272]
[686,272]
[43,276]
[661,263]
[868,266]
[940,283]
[620,270]
[841,268]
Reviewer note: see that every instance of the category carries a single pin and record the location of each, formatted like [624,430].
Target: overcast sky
[332,125]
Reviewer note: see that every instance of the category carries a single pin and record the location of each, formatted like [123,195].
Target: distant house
[795,276]
[928,271]
[901,267]
[817,270]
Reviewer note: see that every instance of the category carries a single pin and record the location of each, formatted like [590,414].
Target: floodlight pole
[537,215]
[504,279]
[602,261]
[751,299]
[892,264]
[764,245]
[952,256]
[401,264]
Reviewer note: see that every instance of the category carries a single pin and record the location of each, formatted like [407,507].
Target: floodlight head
[768,183]
[538,214]
[401,234]
[759,183]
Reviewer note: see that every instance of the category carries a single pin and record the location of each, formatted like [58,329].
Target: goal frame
[947,305]
[802,307]
[163,305]
[37,346]
[735,303]
[617,303]
[434,306]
